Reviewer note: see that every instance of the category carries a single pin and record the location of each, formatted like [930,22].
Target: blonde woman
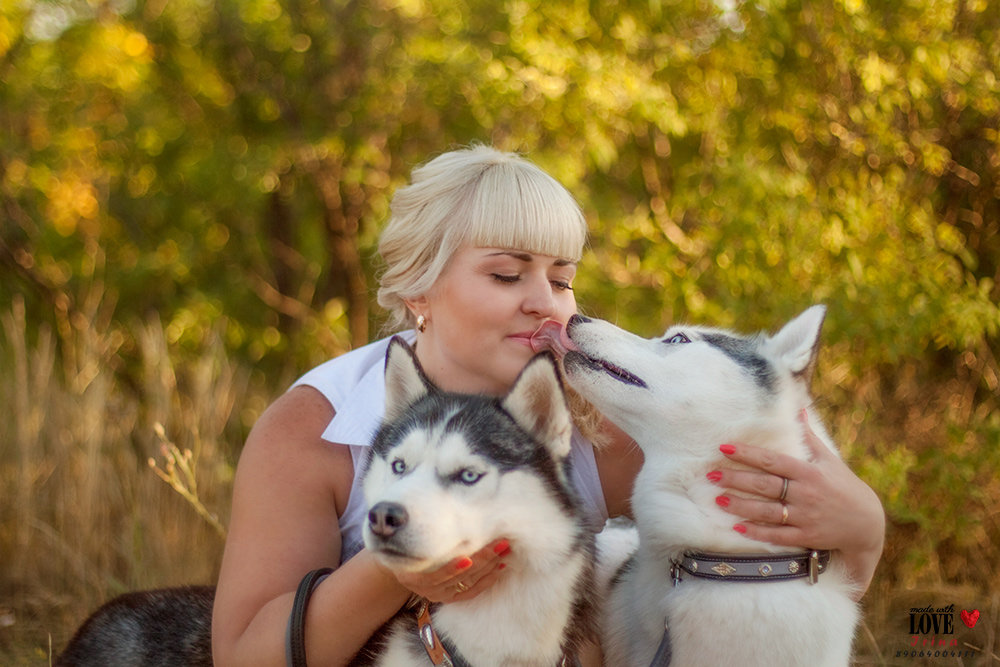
[480,250]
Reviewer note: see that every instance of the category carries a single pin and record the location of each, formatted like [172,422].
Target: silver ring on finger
[784,514]
[784,490]
[461,587]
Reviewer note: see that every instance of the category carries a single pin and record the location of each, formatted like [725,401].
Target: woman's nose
[539,298]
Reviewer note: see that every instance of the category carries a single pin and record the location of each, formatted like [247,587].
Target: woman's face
[482,311]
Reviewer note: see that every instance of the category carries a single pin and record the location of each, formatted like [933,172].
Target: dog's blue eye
[677,339]
[469,477]
[399,466]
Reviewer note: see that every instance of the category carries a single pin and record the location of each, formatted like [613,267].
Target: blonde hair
[476,196]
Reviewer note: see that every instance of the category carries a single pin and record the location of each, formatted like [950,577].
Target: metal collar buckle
[429,638]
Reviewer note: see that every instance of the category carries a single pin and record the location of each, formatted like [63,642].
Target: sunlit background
[190,193]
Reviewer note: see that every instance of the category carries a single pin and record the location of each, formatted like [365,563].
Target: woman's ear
[417,306]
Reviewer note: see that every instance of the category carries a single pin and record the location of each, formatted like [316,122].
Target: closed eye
[561,285]
[677,339]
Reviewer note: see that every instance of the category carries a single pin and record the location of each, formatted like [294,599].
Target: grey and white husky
[450,473]
[680,396]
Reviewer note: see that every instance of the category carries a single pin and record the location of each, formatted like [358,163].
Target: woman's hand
[462,579]
[825,505]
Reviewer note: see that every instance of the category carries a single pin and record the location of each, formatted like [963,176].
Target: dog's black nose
[576,318]
[386,518]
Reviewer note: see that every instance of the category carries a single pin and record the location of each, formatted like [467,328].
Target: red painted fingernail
[727,449]
[740,528]
[714,476]
[464,563]
[722,501]
[502,547]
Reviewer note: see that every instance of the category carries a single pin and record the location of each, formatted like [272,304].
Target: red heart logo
[970,617]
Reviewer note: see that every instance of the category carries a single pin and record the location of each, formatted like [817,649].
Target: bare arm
[290,486]
[618,462]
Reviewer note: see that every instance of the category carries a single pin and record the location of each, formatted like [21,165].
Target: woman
[480,250]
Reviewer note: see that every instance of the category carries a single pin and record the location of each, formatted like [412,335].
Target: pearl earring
[421,323]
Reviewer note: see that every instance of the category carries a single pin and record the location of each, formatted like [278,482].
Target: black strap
[664,652]
[295,636]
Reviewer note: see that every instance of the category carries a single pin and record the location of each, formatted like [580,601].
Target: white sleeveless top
[354,384]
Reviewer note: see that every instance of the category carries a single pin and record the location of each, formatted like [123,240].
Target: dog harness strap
[752,567]
[295,635]
[429,638]
[664,652]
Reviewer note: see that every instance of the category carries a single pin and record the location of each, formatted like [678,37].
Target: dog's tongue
[551,336]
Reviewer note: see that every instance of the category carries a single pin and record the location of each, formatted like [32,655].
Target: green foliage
[224,168]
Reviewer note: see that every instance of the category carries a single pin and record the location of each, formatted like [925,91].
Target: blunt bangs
[517,206]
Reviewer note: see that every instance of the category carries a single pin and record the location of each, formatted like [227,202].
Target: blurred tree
[227,166]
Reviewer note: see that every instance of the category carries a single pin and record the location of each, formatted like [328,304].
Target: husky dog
[680,396]
[447,475]
[157,628]
[450,473]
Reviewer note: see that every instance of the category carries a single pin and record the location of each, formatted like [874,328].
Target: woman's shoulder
[295,418]
[286,449]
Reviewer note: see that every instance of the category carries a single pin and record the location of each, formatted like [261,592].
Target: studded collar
[751,567]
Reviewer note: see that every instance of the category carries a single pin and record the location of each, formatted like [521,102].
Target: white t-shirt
[354,384]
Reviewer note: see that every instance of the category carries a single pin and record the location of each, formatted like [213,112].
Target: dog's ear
[797,344]
[405,382]
[538,404]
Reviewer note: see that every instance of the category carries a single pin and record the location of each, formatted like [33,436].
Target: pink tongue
[551,336]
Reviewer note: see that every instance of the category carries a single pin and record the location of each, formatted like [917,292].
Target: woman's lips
[551,336]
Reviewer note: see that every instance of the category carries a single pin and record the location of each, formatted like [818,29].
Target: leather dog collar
[429,638]
[752,567]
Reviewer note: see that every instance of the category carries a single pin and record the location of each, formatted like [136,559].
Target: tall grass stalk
[83,517]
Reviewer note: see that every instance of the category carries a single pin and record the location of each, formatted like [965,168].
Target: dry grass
[85,517]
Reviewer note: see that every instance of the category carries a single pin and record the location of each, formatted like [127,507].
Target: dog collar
[751,567]
[429,638]
[439,653]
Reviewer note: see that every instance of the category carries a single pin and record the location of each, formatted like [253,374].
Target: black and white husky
[724,599]
[450,473]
